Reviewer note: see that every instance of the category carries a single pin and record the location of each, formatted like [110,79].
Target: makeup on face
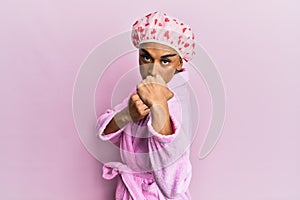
[155,58]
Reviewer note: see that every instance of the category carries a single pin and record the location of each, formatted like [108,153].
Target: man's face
[158,59]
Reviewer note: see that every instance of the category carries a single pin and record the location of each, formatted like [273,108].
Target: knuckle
[133,96]
[139,87]
[140,111]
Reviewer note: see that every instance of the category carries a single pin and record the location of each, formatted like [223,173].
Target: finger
[145,81]
[171,94]
[142,111]
[135,97]
[148,79]
[141,105]
[141,84]
[138,102]
[145,107]
[160,80]
[146,111]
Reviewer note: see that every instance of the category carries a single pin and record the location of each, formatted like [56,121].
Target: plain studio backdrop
[254,44]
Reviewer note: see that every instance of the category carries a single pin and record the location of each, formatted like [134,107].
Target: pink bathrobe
[154,166]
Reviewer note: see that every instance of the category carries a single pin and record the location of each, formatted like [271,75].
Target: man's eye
[165,62]
[146,58]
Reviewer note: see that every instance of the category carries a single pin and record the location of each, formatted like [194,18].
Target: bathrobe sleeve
[104,120]
[169,156]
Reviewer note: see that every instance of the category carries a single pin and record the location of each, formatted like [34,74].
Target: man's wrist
[123,117]
[161,102]
[161,121]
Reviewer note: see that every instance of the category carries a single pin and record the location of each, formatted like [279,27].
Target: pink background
[255,45]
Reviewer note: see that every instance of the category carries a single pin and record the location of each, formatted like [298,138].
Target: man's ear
[179,64]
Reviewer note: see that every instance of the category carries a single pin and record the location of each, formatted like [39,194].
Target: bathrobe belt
[112,169]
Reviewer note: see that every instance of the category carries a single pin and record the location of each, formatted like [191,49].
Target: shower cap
[160,28]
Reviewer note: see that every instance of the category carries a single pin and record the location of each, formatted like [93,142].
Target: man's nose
[153,69]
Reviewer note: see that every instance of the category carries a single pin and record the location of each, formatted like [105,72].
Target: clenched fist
[153,90]
[152,95]
[137,109]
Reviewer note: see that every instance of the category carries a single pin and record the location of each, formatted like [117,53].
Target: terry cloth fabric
[153,166]
[161,28]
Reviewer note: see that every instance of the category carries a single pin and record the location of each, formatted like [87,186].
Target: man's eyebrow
[168,55]
[164,56]
[146,52]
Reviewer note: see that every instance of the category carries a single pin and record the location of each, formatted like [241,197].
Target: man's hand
[153,90]
[137,109]
[155,94]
